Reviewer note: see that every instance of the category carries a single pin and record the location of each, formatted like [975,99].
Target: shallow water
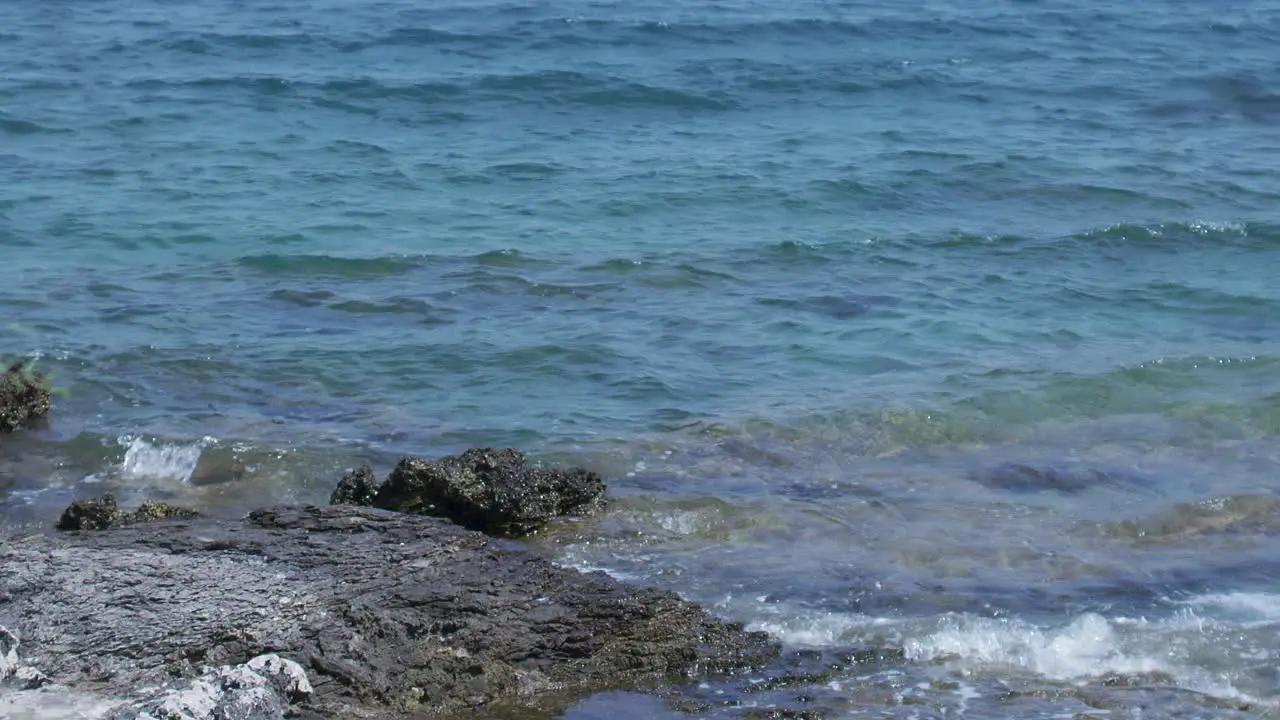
[929,327]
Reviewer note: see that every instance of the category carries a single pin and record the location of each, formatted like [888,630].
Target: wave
[329,265]
[557,31]
[548,88]
[16,126]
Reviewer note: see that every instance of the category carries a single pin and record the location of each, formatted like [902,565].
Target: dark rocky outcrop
[388,614]
[358,487]
[495,491]
[104,513]
[25,397]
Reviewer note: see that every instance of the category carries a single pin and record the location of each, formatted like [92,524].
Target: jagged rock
[12,672]
[151,510]
[104,513]
[357,487]
[98,514]
[25,397]
[8,653]
[260,689]
[388,614]
[494,491]
[287,676]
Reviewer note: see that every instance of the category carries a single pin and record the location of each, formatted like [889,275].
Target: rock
[1016,477]
[103,513]
[494,491]
[25,397]
[8,653]
[357,487]
[12,672]
[287,676]
[151,510]
[98,514]
[252,691]
[386,614]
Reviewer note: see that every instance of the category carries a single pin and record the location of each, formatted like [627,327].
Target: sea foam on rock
[260,689]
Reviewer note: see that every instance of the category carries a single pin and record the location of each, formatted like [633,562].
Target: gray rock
[287,676]
[12,672]
[8,653]
[357,487]
[494,491]
[387,614]
[224,693]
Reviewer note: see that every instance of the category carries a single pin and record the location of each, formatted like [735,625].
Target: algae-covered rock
[104,513]
[25,397]
[494,491]
[358,487]
[152,510]
[98,514]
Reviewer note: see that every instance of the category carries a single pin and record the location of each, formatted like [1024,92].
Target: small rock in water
[494,491]
[25,397]
[104,513]
[357,487]
[97,514]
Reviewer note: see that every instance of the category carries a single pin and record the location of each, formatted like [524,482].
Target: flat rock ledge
[384,614]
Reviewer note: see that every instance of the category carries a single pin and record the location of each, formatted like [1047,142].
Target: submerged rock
[357,487]
[1231,514]
[25,397]
[387,614]
[1017,477]
[104,513]
[494,491]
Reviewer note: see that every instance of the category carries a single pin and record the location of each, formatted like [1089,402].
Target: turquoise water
[885,312]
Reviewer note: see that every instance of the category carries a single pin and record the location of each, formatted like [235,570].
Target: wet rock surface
[495,491]
[385,613]
[25,397]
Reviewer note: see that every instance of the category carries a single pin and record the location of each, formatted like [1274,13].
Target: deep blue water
[770,266]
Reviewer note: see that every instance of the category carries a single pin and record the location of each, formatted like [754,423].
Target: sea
[938,338]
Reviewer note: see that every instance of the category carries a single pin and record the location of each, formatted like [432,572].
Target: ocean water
[947,329]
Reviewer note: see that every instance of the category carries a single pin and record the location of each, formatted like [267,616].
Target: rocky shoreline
[344,611]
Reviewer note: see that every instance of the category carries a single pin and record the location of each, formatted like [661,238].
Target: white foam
[1262,607]
[1088,646]
[813,630]
[147,461]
